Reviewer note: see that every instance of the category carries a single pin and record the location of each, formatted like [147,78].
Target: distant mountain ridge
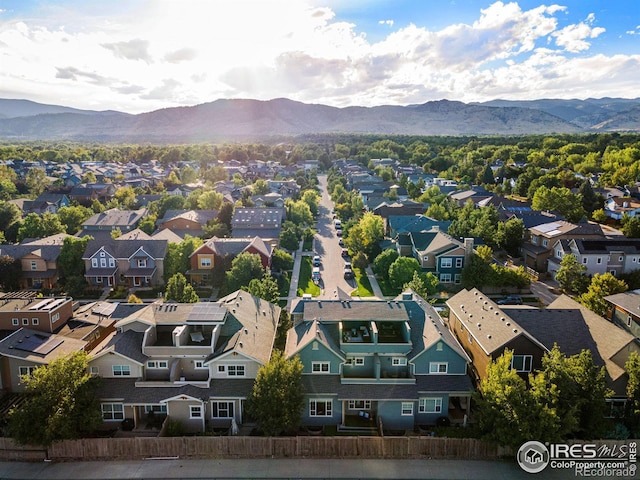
[240,119]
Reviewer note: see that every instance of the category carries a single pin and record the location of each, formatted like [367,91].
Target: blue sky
[141,55]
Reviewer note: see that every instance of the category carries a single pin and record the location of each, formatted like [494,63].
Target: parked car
[315,275]
[347,265]
[316,260]
[339,232]
[344,252]
[341,242]
[510,300]
[348,273]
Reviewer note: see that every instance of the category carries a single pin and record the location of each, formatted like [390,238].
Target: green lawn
[387,289]
[284,283]
[364,285]
[305,284]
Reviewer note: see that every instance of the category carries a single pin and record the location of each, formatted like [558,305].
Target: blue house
[378,364]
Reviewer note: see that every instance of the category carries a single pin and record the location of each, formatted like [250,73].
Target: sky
[141,55]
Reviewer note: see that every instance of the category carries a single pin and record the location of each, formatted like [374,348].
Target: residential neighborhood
[395,298]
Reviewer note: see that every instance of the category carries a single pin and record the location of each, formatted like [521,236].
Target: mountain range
[224,120]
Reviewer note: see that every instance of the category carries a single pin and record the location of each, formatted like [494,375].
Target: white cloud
[162,53]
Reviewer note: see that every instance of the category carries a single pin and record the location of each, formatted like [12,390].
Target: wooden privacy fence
[256,447]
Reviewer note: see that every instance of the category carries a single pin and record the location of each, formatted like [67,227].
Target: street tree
[277,398]
[40,226]
[383,261]
[423,284]
[180,291]
[631,227]
[60,404]
[73,217]
[266,288]
[571,274]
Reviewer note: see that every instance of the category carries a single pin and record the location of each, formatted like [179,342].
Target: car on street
[339,232]
[510,300]
[316,260]
[344,252]
[341,242]
[348,273]
[315,275]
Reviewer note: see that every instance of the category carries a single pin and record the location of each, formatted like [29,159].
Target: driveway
[326,245]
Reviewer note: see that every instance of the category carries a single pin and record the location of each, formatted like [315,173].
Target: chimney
[468,249]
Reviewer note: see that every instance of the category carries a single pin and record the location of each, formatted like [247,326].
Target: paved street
[273,469]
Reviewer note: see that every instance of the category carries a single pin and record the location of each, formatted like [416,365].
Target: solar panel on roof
[206,312]
[40,304]
[548,227]
[40,344]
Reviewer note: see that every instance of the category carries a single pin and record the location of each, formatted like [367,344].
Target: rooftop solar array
[206,312]
[40,344]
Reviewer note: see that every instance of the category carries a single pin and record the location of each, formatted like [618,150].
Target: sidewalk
[272,469]
[374,283]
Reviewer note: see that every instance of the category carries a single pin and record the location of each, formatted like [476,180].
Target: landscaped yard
[305,284]
[387,289]
[364,285]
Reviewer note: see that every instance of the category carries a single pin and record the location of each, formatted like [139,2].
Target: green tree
[401,271]
[277,398]
[372,228]
[423,284]
[260,187]
[559,199]
[244,268]
[632,367]
[289,237]
[132,298]
[36,181]
[210,200]
[477,271]
[360,261]
[126,197]
[188,174]
[312,199]
[298,212]
[601,286]
[40,226]
[9,213]
[571,274]
[225,214]
[73,217]
[10,272]
[281,260]
[510,235]
[599,215]
[265,288]
[383,261]
[180,291]
[148,224]
[61,403]
[631,227]
[590,200]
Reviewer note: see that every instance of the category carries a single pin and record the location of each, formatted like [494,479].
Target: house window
[585,260]
[522,363]
[620,258]
[545,242]
[112,411]
[407,408]
[398,361]
[15,321]
[101,254]
[55,317]
[112,262]
[615,407]
[94,371]
[358,360]
[457,278]
[534,239]
[195,411]
[430,405]
[94,262]
[439,346]
[425,258]
[599,260]
[26,370]
[98,279]
[235,370]
[35,321]
[142,263]
[157,364]
[33,265]
[612,272]
[628,320]
[103,262]
[25,321]
[199,364]
[221,368]
[445,278]
[446,262]
[459,262]
[359,404]
[438,367]
[320,367]
[315,346]
[121,371]
[320,408]
[221,409]
[205,262]
[155,409]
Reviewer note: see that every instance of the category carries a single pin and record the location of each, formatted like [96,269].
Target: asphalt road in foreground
[293,468]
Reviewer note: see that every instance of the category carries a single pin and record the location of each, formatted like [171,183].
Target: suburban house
[625,311]
[486,329]
[45,203]
[221,251]
[378,364]
[85,194]
[186,222]
[38,259]
[537,250]
[109,220]
[436,252]
[25,309]
[617,207]
[26,349]
[611,255]
[193,363]
[408,208]
[265,223]
[397,224]
[122,261]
